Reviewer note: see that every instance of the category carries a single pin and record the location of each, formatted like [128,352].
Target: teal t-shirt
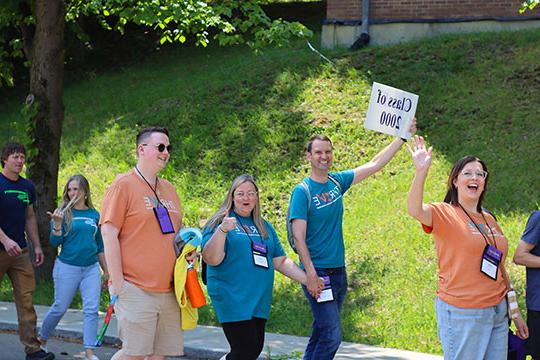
[239,289]
[83,242]
[324,233]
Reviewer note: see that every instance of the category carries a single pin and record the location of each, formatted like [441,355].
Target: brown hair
[12,148]
[317,137]
[452,191]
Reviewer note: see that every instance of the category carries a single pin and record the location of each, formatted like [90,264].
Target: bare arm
[288,268]
[113,256]
[31,228]
[214,250]
[103,264]
[523,255]
[299,227]
[415,201]
[381,159]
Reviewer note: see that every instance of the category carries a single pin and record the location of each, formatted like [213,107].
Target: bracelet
[55,229]
[404,140]
[223,231]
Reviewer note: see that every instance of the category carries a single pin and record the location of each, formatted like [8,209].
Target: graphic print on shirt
[21,195]
[326,198]
[486,230]
[246,230]
[88,221]
[151,201]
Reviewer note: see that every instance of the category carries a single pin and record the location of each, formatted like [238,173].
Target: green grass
[230,112]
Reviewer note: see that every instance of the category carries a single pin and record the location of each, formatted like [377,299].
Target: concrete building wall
[394,21]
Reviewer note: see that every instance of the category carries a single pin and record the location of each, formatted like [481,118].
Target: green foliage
[230,111]
[528,5]
[227,21]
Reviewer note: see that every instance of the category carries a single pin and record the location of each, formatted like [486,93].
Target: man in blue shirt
[316,212]
[17,217]
[528,254]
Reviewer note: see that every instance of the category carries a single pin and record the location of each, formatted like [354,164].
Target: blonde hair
[228,205]
[66,204]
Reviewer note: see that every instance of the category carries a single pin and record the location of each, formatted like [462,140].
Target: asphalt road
[11,349]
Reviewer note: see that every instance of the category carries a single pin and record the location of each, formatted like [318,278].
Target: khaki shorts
[148,323]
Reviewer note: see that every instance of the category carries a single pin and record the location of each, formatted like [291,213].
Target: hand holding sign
[391,111]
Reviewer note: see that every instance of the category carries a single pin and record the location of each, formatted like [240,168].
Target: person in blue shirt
[316,212]
[74,228]
[528,254]
[242,250]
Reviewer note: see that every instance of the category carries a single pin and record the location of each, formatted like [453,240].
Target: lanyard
[244,229]
[154,189]
[481,232]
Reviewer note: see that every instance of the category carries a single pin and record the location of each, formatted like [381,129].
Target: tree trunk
[45,130]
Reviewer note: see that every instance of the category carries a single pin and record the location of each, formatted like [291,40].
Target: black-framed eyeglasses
[160,147]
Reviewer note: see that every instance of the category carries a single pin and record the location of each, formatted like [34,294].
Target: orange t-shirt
[459,251]
[148,256]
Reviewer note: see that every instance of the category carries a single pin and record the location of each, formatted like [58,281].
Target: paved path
[208,342]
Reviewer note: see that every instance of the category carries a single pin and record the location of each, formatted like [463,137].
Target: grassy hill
[230,111]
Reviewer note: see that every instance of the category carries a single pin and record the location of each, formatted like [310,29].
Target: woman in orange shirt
[471,305]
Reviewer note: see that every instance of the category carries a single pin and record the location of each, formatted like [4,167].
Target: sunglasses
[161,147]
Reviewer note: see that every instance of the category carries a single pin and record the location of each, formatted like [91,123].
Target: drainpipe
[363,40]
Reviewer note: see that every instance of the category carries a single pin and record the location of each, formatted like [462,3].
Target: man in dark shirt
[17,218]
[528,254]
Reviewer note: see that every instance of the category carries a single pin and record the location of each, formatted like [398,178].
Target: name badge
[164,220]
[326,294]
[490,261]
[259,255]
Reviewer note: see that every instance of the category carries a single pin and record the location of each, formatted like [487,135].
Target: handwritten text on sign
[390,110]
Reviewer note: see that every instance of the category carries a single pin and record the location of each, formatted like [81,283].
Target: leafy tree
[528,5]
[34,30]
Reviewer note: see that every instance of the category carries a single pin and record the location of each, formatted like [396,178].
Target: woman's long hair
[66,205]
[452,191]
[228,205]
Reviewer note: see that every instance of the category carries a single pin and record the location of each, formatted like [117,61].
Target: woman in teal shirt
[74,227]
[242,250]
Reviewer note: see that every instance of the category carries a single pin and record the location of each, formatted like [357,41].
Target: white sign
[390,110]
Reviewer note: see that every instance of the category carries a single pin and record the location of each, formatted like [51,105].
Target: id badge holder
[491,259]
[259,255]
[326,294]
[164,220]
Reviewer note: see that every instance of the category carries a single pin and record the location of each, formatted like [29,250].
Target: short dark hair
[452,192]
[146,132]
[12,148]
[317,137]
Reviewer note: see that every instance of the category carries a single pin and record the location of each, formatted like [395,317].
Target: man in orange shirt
[140,215]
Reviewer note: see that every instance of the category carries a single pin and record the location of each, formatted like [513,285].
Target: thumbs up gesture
[228,223]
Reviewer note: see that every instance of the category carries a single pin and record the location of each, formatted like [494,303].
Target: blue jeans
[326,329]
[67,279]
[479,333]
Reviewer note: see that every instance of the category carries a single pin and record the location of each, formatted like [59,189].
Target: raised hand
[228,223]
[420,155]
[57,217]
[412,126]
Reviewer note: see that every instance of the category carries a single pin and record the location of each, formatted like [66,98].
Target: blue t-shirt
[83,242]
[324,234]
[239,289]
[15,198]
[531,235]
